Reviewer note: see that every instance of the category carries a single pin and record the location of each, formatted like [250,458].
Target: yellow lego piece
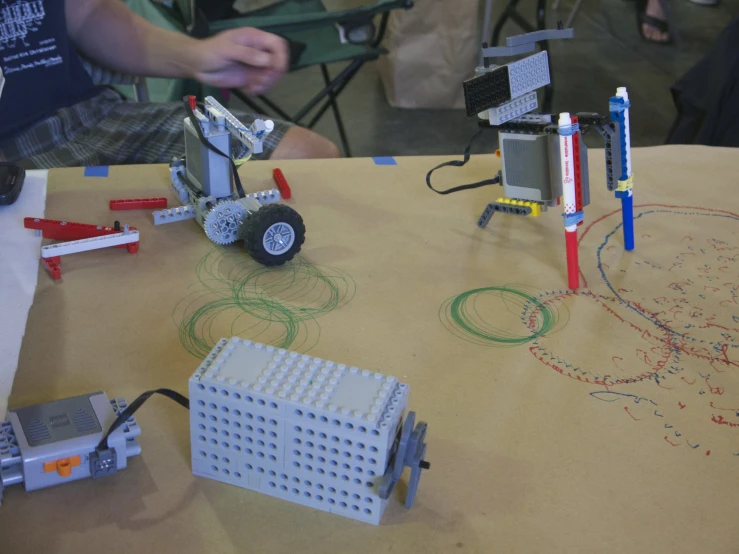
[628,184]
[535,207]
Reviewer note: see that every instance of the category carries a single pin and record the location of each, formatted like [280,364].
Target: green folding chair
[304,22]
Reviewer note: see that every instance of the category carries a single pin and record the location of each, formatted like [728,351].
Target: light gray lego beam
[523,44]
[504,51]
[537,36]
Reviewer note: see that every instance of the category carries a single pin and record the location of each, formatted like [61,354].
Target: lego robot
[206,182]
[544,160]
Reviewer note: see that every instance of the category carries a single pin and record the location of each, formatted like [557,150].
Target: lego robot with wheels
[205,181]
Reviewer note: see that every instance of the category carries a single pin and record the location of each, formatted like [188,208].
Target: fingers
[273,49]
[252,56]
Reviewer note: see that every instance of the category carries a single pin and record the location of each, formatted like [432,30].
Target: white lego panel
[85,245]
[528,74]
[512,109]
[174,214]
[295,427]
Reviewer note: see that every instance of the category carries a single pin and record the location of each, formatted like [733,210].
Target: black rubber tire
[256,226]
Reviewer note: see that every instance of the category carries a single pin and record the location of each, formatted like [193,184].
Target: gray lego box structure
[207,170]
[307,430]
[531,166]
[53,443]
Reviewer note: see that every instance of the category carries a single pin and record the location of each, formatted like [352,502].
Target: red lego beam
[68,230]
[138,203]
[577,168]
[281,183]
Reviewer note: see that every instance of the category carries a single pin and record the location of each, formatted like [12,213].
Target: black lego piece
[487,91]
[103,463]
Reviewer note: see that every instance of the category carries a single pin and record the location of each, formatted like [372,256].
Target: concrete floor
[607,52]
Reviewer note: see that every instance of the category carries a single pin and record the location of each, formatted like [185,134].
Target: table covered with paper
[599,420]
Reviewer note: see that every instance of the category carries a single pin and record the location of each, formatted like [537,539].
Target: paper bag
[433,48]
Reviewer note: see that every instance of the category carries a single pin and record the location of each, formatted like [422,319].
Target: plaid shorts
[108,130]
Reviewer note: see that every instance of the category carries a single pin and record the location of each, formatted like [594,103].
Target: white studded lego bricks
[296,427]
[174,214]
[528,74]
[512,109]
[266,196]
[85,245]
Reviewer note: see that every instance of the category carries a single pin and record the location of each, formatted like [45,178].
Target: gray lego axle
[53,443]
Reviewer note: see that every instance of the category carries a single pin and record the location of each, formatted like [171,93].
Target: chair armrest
[300,21]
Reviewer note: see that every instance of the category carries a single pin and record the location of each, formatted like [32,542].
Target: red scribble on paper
[712,289]
[682,406]
[689,383]
[708,452]
[723,409]
[614,358]
[626,408]
[671,443]
[642,355]
[687,237]
[721,421]
[714,390]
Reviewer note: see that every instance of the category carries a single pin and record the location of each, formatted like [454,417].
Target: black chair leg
[541,23]
[502,21]
[337,92]
[256,108]
[337,114]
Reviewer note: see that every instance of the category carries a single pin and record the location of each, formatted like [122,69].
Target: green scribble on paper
[476,315]
[236,296]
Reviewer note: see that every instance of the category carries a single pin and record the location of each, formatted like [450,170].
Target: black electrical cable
[135,405]
[459,163]
[209,146]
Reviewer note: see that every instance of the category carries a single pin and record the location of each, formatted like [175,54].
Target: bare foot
[654,9]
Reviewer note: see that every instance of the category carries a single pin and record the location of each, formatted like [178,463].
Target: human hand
[244,58]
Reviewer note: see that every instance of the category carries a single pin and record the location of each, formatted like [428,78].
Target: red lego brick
[138,203]
[52,266]
[281,183]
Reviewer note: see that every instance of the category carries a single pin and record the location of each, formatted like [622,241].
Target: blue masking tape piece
[385,160]
[96,171]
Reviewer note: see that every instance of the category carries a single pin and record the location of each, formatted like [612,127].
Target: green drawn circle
[460,315]
[235,296]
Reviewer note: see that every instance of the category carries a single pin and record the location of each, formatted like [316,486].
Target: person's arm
[109,33]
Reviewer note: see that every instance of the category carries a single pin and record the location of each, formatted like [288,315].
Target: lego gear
[273,234]
[410,452]
[223,223]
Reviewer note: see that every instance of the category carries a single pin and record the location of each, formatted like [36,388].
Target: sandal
[643,19]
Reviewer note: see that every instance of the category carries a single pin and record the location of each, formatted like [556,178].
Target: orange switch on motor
[63,467]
